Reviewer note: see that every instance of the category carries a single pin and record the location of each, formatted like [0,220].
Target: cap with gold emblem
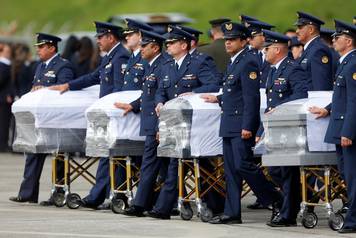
[307,19]
[136,26]
[343,28]
[175,34]
[255,27]
[219,21]
[43,38]
[191,31]
[245,18]
[103,28]
[151,37]
[272,37]
[234,30]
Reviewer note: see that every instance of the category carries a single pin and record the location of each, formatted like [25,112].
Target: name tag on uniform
[151,77]
[50,74]
[138,66]
[189,77]
[280,81]
[123,68]
[231,76]
[304,61]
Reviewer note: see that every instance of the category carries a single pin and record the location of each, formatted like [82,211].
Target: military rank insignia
[228,26]
[253,75]
[50,74]
[354,76]
[324,59]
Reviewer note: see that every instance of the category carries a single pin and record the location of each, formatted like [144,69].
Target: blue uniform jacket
[109,74]
[58,71]
[193,76]
[316,60]
[146,103]
[210,62]
[343,107]
[240,101]
[134,72]
[287,84]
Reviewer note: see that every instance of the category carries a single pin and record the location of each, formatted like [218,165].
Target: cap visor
[230,37]
[100,34]
[40,43]
[266,44]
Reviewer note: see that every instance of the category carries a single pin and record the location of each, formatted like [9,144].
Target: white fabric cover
[54,110]
[119,126]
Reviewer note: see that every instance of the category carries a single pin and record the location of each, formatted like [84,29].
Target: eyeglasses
[270,47]
[335,38]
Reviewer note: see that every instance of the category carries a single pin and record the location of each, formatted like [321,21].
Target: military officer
[185,74]
[135,68]
[342,128]
[199,55]
[151,48]
[286,81]
[295,47]
[316,58]
[110,76]
[216,48]
[240,119]
[256,41]
[326,36]
[51,71]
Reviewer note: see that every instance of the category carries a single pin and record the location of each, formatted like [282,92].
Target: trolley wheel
[59,199]
[205,214]
[336,221]
[186,213]
[309,220]
[118,205]
[73,200]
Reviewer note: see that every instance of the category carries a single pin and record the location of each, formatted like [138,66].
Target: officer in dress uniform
[326,36]
[110,76]
[185,74]
[216,49]
[240,119]
[295,47]
[286,81]
[151,48]
[135,68]
[256,42]
[342,110]
[199,55]
[51,71]
[316,59]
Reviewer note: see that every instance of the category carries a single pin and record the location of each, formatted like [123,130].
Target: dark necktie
[177,67]
[270,76]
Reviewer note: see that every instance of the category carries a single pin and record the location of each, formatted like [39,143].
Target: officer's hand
[270,111]
[158,108]
[320,112]
[245,134]
[185,94]
[124,106]
[257,139]
[35,88]
[62,88]
[9,99]
[345,141]
[157,137]
[209,98]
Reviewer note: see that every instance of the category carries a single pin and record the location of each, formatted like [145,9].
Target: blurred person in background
[71,48]
[6,95]
[83,59]
[23,69]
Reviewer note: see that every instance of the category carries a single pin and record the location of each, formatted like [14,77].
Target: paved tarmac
[32,220]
